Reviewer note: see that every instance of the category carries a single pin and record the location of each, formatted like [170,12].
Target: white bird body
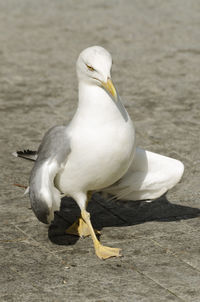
[102,144]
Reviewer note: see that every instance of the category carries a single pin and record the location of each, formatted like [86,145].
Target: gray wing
[52,156]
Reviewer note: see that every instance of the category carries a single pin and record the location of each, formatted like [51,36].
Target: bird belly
[98,158]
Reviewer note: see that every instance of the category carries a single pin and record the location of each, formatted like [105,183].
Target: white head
[94,66]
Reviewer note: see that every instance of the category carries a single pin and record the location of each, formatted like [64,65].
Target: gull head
[94,67]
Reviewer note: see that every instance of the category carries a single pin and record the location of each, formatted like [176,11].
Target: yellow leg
[103,252]
[80,228]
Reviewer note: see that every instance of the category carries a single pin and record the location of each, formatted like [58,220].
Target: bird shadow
[118,213]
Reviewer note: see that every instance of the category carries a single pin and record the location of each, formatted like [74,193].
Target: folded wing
[52,156]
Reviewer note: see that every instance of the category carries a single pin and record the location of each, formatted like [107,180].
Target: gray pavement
[156,51]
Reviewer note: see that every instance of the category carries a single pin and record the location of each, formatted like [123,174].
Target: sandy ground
[156,51]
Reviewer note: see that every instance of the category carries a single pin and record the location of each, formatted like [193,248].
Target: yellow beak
[110,88]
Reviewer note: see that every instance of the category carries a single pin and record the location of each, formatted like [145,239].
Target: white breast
[102,144]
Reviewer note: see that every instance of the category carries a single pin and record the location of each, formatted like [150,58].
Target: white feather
[149,176]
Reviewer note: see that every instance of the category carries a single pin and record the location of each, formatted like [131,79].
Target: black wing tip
[27,154]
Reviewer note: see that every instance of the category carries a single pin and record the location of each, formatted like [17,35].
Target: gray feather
[52,155]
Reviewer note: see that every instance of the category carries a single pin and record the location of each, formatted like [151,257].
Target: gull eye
[90,68]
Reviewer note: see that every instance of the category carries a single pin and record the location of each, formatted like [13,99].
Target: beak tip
[110,88]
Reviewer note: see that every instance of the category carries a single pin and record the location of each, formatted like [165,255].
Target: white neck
[96,106]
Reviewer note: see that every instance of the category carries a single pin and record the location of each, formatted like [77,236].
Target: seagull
[96,152]
[90,153]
